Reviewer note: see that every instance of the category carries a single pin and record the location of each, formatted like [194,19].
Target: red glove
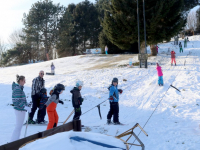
[111,98]
[120,91]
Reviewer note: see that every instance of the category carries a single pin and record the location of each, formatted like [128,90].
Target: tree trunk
[153,50]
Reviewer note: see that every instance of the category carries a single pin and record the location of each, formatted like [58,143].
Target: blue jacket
[114,93]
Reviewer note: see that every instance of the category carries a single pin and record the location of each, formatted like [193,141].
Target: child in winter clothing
[20,106]
[52,68]
[173,57]
[77,99]
[52,104]
[114,105]
[42,106]
[160,75]
[181,48]
[157,48]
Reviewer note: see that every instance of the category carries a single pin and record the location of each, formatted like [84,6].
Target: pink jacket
[159,70]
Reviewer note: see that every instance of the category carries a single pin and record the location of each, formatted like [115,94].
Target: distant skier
[42,107]
[37,84]
[114,105]
[106,49]
[187,39]
[52,68]
[181,48]
[20,106]
[51,105]
[160,75]
[157,48]
[185,43]
[173,58]
[77,99]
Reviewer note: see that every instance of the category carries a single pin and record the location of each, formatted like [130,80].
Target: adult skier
[77,99]
[173,57]
[51,105]
[20,106]
[185,43]
[37,84]
[114,105]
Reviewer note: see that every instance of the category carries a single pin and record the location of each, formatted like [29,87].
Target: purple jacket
[159,70]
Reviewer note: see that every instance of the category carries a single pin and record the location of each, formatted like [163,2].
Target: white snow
[173,126]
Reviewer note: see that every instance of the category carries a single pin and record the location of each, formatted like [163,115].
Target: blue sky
[11,14]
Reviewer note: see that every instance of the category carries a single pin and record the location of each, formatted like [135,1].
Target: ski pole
[26,126]
[69,116]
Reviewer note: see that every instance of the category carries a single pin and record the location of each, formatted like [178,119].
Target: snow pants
[160,80]
[185,44]
[77,113]
[20,115]
[181,49]
[114,110]
[41,114]
[53,116]
[36,103]
[173,60]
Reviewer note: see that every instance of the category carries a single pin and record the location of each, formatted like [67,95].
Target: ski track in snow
[173,126]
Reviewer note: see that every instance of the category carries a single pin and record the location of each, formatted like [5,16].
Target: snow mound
[67,140]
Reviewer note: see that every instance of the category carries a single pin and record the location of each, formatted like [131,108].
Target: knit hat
[115,80]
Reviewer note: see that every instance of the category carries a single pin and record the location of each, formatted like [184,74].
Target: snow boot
[117,123]
[109,121]
[30,121]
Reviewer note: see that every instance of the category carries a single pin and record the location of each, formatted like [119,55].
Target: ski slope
[173,126]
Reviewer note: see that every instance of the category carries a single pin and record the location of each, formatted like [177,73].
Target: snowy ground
[175,123]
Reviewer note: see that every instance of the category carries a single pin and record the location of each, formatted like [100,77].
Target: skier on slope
[181,47]
[42,107]
[37,84]
[160,75]
[173,57]
[114,105]
[20,106]
[185,43]
[52,68]
[77,99]
[51,105]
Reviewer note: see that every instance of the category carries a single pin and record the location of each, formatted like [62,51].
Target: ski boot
[30,121]
[117,123]
[109,121]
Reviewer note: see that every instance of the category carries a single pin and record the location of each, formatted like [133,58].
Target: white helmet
[79,83]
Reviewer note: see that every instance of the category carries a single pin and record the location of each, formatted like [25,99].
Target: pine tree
[163,20]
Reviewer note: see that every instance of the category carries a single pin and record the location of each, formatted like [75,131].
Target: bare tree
[191,21]
[15,38]
[2,50]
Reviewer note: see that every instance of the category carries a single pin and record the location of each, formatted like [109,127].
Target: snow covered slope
[173,126]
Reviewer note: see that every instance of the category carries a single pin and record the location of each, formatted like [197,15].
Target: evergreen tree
[163,21]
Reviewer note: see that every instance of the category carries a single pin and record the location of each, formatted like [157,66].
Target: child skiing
[173,57]
[181,48]
[52,104]
[114,105]
[77,100]
[160,75]
[42,106]
[20,106]
[52,68]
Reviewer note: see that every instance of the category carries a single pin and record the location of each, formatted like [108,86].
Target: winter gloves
[111,98]
[28,109]
[61,102]
[120,91]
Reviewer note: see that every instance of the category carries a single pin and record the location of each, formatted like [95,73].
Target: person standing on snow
[173,57]
[160,75]
[114,105]
[181,48]
[106,49]
[20,106]
[52,68]
[37,84]
[77,99]
[51,105]
[185,43]
[157,48]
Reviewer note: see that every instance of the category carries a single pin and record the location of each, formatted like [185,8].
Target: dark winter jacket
[54,98]
[180,45]
[76,97]
[18,97]
[43,100]
[114,93]
[37,84]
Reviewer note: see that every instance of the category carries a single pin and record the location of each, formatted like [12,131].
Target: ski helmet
[43,90]
[115,80]
[59,87]
[79,83]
